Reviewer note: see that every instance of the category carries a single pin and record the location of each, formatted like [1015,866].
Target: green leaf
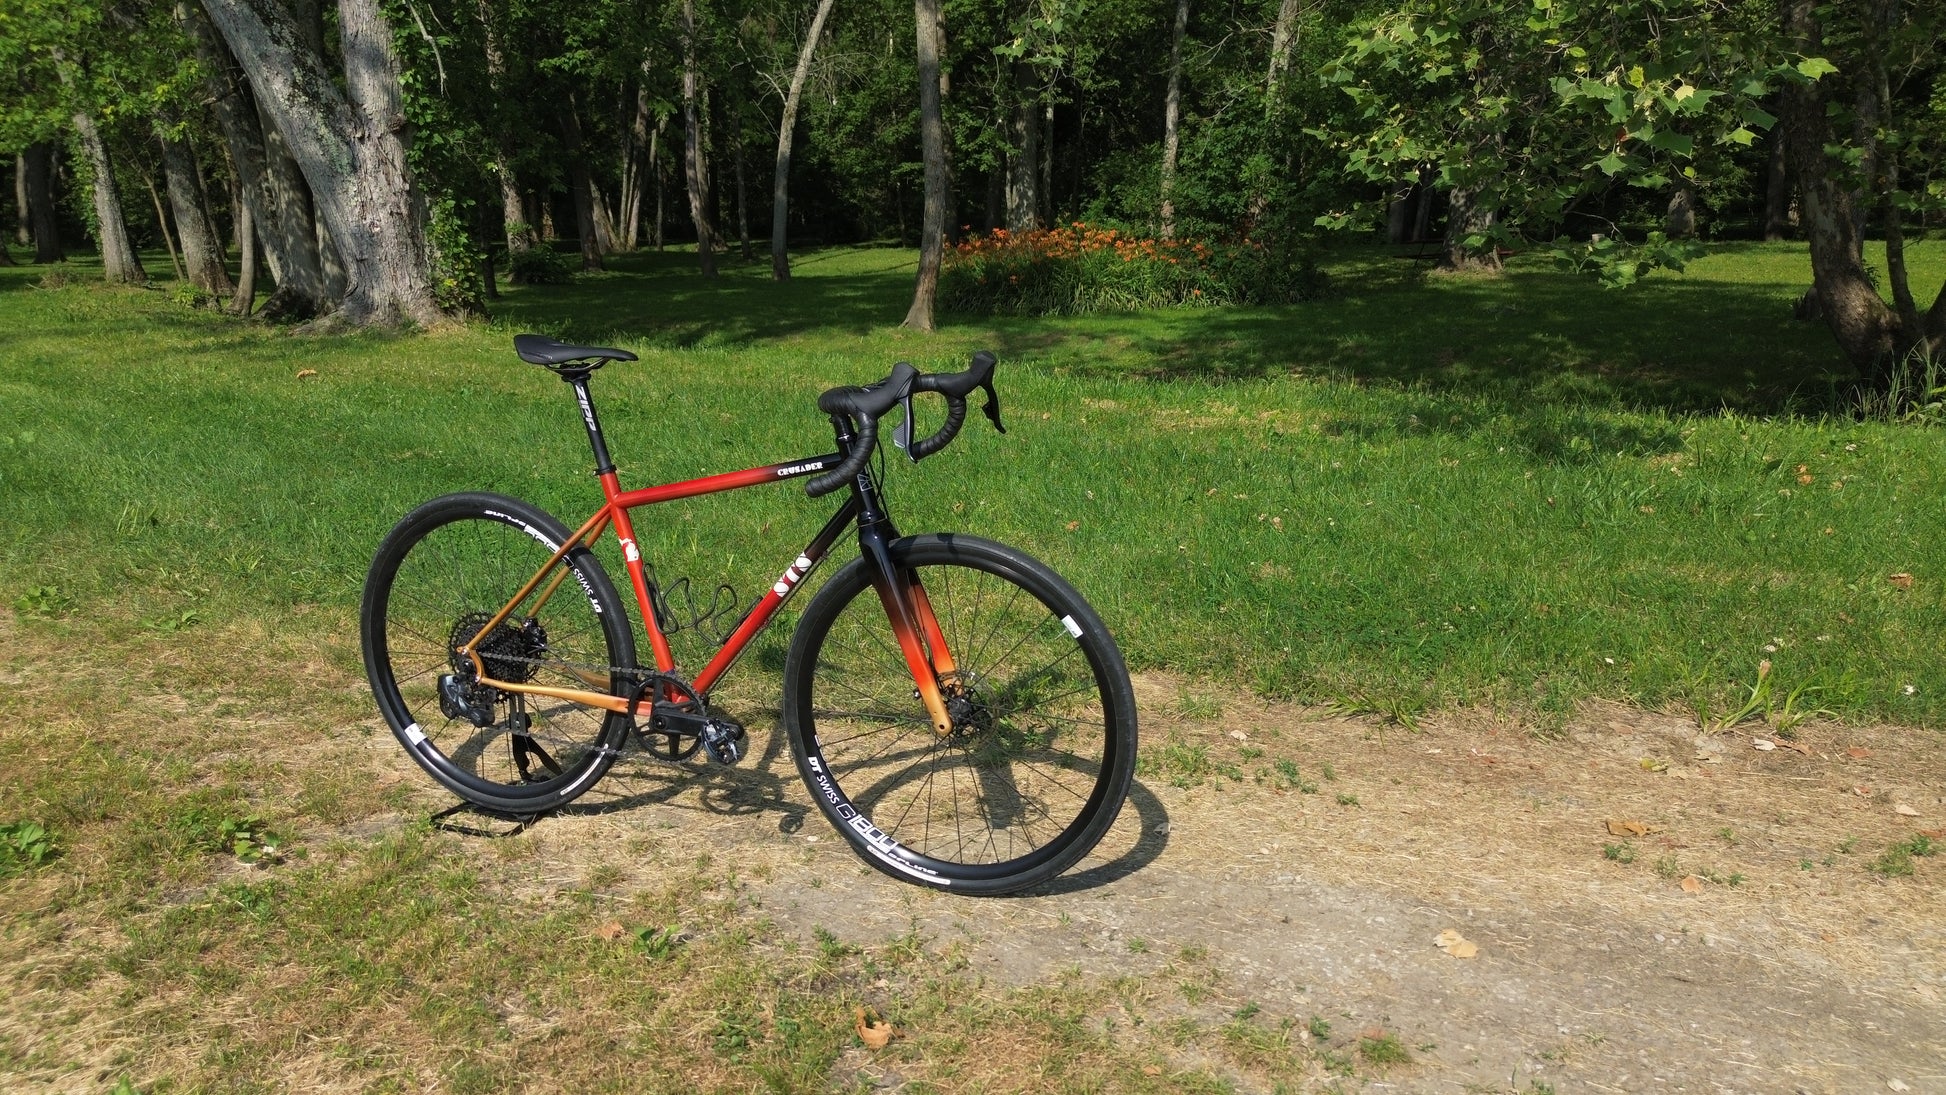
[1742,136]
[1612,165]
[1814,67]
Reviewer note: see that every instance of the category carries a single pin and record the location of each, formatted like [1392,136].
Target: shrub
[1080,269]
[540,266]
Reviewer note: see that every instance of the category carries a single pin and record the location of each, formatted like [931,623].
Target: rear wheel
[1043,740]
[438,578]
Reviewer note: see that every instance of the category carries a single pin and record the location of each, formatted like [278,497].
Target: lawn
[1515,496]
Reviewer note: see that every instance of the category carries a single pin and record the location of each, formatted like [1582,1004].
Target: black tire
[1040,759]
[446,569]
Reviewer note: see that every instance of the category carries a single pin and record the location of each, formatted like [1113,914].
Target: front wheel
[441,576]
[1043,740]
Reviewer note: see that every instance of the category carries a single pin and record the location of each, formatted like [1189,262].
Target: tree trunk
[42,217]
[519,232]
[1283,37]
[1171,117]
[1024,158]
[202,254]
[932,144]
[1467,217]
[780,189]
[245,297]
[1861,322]
[1679,220]
[278,201]
[23,235]
[581,187]
[351,146]
[119,262]
[695,166]
[1777,188]
[162,226]
[635,156]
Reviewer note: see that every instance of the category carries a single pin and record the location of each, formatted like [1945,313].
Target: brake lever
[902,433]
[992,407]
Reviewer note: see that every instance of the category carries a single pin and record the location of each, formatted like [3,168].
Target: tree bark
[42,217]
[119,262]
[1466,217]
[276,203]
[1283,37]
[202,254]
[1024,158]
[351,147]
[245,297]
[162,225]
[780,189]
[932,144]
[23,235]
[1171,119]
[695,165]
[1861,322]
[519,233]
[581,187]
[1777,188]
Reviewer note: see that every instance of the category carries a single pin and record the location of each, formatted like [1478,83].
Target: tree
[780,190]
[695,161]
[350,148]
[932,138]
[1172,120]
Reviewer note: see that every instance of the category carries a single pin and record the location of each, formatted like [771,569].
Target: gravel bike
[958,712]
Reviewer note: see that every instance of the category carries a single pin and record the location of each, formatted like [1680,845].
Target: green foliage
[24,846]
[1081,270]
[1896,862]
[1618,263]
[541,266]
[45,602]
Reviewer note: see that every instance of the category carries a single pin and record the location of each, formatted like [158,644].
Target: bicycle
[958,712]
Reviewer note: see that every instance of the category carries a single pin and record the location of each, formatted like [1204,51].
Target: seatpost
[579,381]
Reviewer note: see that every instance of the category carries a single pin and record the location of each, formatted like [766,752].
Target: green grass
[1518,492]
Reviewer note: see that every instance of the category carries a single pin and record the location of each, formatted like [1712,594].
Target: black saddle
[555,354]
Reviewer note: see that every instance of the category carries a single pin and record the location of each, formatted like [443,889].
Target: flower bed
[1080,269]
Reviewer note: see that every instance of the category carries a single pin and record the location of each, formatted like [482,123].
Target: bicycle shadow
[765,782]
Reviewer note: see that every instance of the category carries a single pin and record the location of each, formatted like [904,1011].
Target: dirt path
[1742,943]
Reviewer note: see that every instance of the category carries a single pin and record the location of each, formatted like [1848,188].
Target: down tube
[774,598]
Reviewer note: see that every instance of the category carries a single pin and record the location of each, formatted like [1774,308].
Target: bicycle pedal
[724,741]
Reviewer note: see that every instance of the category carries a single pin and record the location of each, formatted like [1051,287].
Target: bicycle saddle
[553,353]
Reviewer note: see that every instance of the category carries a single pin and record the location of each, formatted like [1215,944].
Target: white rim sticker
[1074,629]
[414,735]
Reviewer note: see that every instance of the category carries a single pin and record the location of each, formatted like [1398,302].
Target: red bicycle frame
[913,624]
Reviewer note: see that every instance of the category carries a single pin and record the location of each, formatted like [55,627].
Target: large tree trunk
[694,160]
[351,146]
[932,145]
[520,234]
[780,189]
[289,249]
[119,262]
[635,160]
[1024,158]
[202,253]
[42,217]
[1171,118]
[1467,216]
[1862,323]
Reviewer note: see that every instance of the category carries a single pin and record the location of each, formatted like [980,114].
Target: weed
[1245,1012]
[1385,1049]
[1896,862]
[24,846]
[1727,835]
[1320,1027]
[657,943]
[1138,946]
[1667,867]
[1184,764]
[1347,799]
[44,602]
[249,839]
[1620,853]
[1846,845]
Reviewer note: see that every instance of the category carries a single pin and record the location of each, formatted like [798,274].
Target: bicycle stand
[522,822]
